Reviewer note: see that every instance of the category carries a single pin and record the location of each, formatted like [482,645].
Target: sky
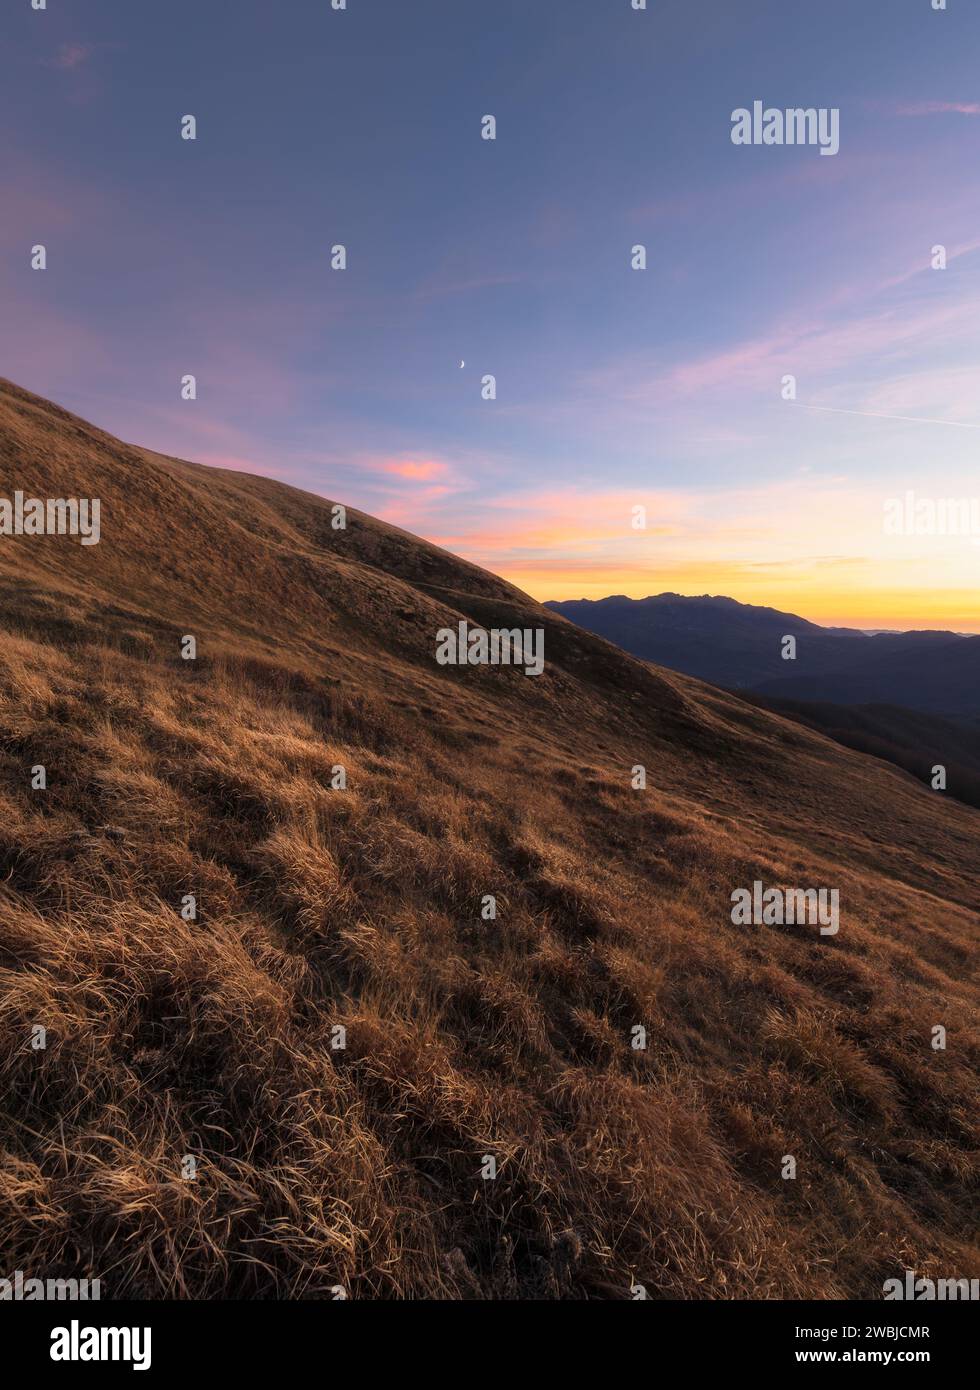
[616,388]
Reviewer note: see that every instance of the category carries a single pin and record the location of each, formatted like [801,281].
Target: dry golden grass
[360,908]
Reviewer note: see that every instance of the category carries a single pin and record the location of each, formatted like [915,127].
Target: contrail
[877,415]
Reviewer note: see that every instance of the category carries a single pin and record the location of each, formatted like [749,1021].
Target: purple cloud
[71,56]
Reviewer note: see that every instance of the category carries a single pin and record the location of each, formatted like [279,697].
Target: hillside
[911,740]
[852,686]
[322,908]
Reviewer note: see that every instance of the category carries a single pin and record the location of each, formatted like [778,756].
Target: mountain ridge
[738,646]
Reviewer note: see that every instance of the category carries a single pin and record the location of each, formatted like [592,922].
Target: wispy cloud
[940,108]
[436,287]
[827,350]
[70,56]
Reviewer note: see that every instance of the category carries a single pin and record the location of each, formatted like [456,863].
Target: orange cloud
[418,470]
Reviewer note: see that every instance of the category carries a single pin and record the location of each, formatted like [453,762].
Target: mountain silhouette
[740,645]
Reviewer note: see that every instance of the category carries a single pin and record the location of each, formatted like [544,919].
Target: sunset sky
[615,388]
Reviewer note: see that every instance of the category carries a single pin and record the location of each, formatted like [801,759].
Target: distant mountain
[939,677]
[739,646]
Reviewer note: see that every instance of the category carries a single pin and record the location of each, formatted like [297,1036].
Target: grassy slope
[362,908]
[911,739]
